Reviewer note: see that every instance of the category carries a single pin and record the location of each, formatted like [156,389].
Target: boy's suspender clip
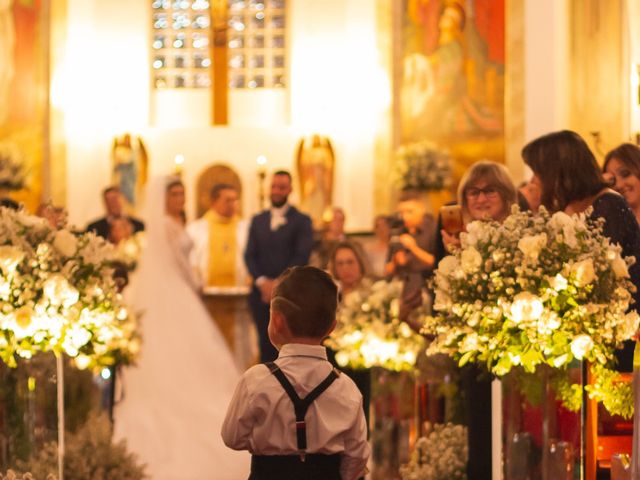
[301,405]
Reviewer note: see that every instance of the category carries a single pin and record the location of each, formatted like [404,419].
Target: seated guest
[622,167]
[378,249]
[347,266]
[219,238]
[332,233]
[55,216]
[529,195]
[114,209]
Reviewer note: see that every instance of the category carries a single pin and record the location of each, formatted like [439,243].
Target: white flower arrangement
[442,454]
[57,294]
[422,166]
[534,290]
[13,174]
[369,332]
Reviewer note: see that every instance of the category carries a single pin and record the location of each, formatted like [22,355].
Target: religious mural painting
[23,98]
[452,66]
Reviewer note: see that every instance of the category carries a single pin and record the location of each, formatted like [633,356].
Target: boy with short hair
[299,418]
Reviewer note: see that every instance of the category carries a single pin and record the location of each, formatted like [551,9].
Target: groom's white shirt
[198,230]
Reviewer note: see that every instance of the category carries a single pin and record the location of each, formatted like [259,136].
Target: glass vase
[541,439]
[28,413]
[392,421]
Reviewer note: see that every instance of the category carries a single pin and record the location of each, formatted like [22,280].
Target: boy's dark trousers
[291,467]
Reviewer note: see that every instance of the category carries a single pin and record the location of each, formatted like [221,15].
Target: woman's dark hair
[357,252]
[567,169]
[628,154]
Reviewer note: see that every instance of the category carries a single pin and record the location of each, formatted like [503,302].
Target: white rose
[619,267]
[560,220]
[570,236]
[65,242]
[10,258]
[548,323]
[531,245]
[476,231]
[526,307]
[59,292]
[470,260]
[30,220]
[581,345]
[558,283]
[448,265]
[583,272]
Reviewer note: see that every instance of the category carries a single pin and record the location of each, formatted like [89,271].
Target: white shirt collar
[280,211]
[302,350]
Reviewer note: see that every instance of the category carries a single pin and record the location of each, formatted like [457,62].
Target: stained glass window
[181,42]
[257,35]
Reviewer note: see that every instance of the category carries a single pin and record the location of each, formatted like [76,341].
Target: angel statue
[315,163]
[129,167]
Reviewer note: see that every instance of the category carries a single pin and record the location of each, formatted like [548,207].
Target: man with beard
[279,238]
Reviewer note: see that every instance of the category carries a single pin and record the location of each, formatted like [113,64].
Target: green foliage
[615,395]
[90,454]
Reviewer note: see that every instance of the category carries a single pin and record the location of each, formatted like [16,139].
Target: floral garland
[369,332]
[534,290]
[442,454]
[57,294]
[13,175]
[422,166]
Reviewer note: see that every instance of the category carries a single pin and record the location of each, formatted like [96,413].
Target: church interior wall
[336,89]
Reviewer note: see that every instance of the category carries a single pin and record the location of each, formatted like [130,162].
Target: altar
[229,310]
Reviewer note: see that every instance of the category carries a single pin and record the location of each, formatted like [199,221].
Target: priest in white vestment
[219,238]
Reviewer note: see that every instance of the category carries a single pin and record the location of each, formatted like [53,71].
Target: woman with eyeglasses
[485,192]
[571,181]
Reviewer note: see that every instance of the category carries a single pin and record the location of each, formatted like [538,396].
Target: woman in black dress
[572,181]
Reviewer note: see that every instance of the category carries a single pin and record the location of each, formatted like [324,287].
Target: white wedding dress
[175,399]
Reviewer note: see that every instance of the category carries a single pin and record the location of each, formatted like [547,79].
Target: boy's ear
[332,327]
[278,320]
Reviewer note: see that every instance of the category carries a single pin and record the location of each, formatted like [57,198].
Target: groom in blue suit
[279,238]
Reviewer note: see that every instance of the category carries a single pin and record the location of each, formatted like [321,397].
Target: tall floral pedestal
[541,439]
[392,421]
[28,410]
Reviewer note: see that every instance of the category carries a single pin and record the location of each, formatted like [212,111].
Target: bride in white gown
[175,398]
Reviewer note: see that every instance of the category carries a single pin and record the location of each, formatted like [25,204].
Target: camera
[396,229]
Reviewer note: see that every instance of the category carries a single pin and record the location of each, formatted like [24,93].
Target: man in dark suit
[279,238]
[113,205]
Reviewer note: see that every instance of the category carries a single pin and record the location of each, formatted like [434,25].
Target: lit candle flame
[178,161]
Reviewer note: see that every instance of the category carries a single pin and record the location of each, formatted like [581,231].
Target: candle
[261,161]
[496,430]
[178,162]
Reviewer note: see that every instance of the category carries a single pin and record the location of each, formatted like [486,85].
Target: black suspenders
[301,405]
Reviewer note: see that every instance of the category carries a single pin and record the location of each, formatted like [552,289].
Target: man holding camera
[410,257]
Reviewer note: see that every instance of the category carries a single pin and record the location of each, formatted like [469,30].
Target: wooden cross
[219,69]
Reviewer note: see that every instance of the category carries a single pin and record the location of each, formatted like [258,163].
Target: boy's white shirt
[261,419]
